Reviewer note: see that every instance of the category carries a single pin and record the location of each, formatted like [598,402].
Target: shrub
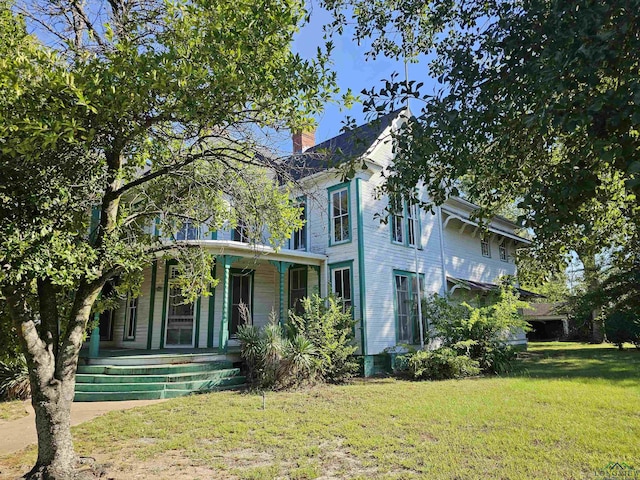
[480,332]
[329,328]
[623,326]
[274,361]
[440,364]
[14,380]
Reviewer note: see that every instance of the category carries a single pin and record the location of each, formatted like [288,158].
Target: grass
[569,411]
[12,410]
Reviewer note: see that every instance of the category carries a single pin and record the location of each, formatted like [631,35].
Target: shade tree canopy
[121,123]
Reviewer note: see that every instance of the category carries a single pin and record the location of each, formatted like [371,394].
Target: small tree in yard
[143,113]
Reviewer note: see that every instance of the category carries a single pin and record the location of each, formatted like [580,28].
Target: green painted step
[153,369]
[149,387]
[101,378]
[226,384]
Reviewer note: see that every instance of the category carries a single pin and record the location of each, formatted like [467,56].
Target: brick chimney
[303,141]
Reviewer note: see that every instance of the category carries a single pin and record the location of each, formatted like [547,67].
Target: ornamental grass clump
[314,346]
[14,380]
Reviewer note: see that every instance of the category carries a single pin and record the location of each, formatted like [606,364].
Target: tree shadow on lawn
[587,362]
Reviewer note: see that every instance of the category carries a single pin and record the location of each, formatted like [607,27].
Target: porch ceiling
[246,250]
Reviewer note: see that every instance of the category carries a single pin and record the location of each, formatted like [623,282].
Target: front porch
[266,281]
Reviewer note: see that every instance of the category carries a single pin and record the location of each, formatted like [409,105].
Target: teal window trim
[339,266]
[196,313]
[302,200]
[330,191]
[306,287]
[244,272]
[214,235]
[152,301]
[410,276]
[405,221]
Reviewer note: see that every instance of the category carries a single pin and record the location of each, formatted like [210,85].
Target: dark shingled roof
[335,151]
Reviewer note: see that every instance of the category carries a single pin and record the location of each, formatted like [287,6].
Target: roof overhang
[486,287]
[455,216]
[258,252]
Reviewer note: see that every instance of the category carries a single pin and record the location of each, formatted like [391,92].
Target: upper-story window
[486,248]
[299,238]
[189,231]
[502,250]
[397,221]
[339,212]
[405,225]
[241,233]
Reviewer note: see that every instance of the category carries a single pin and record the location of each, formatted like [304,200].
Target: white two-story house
[377,268]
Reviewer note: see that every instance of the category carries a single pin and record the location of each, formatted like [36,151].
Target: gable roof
[349,145]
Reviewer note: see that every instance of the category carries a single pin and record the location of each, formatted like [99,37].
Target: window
[189,231]
[397,221]
[405,222]
[339,221]
[407,328]
[131,318]
[179,314]
[297,289]
[341,283]
[502,250]
[299,239]
[486,248]
[241,233]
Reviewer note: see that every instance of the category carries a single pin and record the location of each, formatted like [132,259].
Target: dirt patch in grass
[14,410]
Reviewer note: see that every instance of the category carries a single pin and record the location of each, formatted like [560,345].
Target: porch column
[316,268]
[94,340]
[282,268]
[226,261]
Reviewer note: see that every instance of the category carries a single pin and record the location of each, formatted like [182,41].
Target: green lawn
[570,411]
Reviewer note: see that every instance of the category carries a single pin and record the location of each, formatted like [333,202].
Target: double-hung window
[131,318]
[341,284]
[241,232]
[339,214]
[397,220]
[485,247]
[502,250]
[189,231]
[407,297]
[405,222]
[299,238]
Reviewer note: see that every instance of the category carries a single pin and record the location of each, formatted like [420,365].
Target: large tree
[537,101]
[120,123]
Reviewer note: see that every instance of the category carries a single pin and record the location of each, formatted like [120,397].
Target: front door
[180,322]
[240,300]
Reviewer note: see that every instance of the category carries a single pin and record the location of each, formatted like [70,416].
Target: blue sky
[353,70]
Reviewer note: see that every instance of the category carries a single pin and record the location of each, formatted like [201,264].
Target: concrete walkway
[17,434]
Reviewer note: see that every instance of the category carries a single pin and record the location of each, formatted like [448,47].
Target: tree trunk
[51,401]
[52,372]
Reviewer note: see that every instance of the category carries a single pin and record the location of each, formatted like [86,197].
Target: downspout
[444,266]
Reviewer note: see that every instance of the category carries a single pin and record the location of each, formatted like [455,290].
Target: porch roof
[487,287]
[247,250]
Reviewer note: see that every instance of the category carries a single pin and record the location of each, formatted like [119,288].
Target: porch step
[146,382]
[161,369]
[158,391]
[163,359]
